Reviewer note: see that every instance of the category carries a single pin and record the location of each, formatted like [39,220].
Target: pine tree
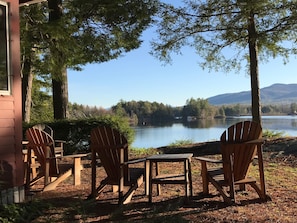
[226,33]
[78,32]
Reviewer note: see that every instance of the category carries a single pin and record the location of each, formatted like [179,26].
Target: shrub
[23,212]
[77,132]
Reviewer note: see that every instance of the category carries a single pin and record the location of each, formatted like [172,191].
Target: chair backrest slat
[232,146]
[40,142]
[107,142]
[45,128]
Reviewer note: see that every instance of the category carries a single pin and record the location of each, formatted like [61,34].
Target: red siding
[11,111]
[5,123]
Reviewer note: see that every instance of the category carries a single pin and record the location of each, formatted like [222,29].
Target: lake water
[205,130]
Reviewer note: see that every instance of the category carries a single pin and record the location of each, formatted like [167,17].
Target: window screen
[4,50]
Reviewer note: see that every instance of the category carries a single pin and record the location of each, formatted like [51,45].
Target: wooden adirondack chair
[50,169]
[240,145]
[111,147]
[59,144]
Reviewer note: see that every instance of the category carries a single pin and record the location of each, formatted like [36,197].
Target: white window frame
[8,61]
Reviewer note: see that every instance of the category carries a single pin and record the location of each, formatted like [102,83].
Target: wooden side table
[183,178]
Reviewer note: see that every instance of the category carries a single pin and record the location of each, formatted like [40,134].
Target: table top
[170,157]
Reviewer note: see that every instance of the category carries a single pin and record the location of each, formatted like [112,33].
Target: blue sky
[139,76]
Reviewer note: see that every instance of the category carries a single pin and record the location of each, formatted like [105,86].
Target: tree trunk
[59,77]
[27,82]
[254,70]
[28,102]
[60,96]
[55,7]
[27,79]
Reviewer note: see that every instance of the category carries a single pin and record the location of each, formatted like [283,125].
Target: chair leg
[225,195]
[204,176]
[100,188]
[54,184]
[126,198]
[96,191]
[261,172]
[231,179]
[35,180]
[259,191]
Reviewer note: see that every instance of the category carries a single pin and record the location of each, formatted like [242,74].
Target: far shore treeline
[82,118]
[144,112]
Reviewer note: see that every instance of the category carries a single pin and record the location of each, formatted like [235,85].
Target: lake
[205,130]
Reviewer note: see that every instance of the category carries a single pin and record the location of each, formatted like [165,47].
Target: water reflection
[209,123]
[202,123]
[204,130]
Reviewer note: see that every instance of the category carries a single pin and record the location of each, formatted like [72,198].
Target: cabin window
[5,87]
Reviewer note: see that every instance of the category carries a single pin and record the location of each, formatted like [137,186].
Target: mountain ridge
[273,94]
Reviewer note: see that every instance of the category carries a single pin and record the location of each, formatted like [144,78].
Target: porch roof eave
[29,2]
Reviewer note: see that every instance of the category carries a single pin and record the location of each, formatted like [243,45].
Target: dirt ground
[68,203]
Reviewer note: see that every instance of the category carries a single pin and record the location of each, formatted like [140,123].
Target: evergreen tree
[32,21]
[83,31]
[225,33]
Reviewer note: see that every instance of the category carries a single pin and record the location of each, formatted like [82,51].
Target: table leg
[186,168]
[147,177]
[77,168]
[150,181]
[190,179]
[157,173]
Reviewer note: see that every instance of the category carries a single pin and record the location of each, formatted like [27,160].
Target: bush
[23,212]
[77,132]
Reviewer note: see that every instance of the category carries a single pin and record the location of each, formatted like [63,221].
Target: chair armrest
[135,161]
[60,141]
[257,141]
[205,159]
[73,156]
[59,144]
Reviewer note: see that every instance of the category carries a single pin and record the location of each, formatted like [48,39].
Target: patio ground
[68,203]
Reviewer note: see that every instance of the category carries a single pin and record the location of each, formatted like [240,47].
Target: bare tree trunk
[59,74]
[28,102]
[27,79]
[27,82]
[60,96]
[254,70]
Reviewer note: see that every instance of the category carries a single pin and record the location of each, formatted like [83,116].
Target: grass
[282,174]
[181,142]
[143,151]
[273,134]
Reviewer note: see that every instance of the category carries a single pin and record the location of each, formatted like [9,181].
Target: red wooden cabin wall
[11,162]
